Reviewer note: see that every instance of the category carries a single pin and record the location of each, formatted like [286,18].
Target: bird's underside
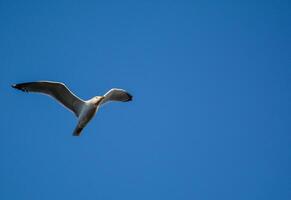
[84,110]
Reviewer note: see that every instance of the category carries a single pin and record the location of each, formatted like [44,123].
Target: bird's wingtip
[17,86]
[130,97]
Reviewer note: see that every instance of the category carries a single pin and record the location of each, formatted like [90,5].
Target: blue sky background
[211,112]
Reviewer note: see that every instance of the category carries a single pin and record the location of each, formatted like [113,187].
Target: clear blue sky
[211,116]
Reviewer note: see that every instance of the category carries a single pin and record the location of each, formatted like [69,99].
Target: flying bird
[84,110]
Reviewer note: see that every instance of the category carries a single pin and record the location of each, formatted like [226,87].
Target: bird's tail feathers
[77,131]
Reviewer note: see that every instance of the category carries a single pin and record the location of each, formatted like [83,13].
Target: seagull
[84,110]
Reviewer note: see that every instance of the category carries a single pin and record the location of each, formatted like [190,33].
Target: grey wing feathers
[57,90]
[117,95]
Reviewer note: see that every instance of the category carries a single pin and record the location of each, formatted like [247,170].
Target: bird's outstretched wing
[116,95]
[57,90]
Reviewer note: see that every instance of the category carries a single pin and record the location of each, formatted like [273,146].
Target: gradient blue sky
[211,112]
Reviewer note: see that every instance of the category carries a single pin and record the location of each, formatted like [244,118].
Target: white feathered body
[88,111]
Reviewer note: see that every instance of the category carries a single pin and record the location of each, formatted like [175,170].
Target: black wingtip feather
[17,86]
[130,97]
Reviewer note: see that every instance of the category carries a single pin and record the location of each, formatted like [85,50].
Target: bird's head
[97,100]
